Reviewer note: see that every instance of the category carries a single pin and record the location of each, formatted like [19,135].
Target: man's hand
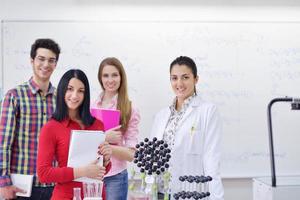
[9,192]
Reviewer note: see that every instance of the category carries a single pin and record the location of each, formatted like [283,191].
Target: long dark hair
[61,111]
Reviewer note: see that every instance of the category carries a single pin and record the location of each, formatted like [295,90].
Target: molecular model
[193,187]
[152,157]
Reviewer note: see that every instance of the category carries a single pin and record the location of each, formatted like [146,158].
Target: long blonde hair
[124,104]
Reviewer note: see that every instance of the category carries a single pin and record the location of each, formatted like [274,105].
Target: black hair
[61,110]
[47,44]
[184,60]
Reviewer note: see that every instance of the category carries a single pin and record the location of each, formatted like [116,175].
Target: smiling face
[110,79]
[74,95]
[182,81]
[43,64]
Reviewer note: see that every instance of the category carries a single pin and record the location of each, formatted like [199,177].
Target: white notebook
[23,182]
[84,149]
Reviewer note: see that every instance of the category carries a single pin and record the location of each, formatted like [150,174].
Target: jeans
[116,187]
[39,193]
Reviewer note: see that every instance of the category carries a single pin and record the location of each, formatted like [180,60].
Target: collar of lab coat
[164,117]
[195,103]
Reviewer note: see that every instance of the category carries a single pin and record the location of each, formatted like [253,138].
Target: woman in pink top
[122,139]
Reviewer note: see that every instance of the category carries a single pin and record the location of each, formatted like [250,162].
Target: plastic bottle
[77,194]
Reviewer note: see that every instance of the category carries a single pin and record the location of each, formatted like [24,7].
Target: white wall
[144,10]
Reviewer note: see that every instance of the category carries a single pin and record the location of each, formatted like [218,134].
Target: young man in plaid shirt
[24,110]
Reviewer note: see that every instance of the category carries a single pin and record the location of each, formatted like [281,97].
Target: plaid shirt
[23,112]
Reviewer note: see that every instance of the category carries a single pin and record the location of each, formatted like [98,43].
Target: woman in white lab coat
[191,127]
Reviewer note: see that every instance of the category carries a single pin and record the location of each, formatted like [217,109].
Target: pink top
[130,137]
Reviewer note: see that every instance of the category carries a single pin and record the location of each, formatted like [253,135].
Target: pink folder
[110,118]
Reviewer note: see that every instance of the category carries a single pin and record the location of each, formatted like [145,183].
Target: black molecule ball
[152,156]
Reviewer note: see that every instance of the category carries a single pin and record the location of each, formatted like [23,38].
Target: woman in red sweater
[72,113]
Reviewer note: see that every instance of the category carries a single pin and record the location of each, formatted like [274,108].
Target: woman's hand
[105,150]
[93,170]
[113,135]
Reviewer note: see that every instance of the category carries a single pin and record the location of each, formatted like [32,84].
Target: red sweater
[54,143]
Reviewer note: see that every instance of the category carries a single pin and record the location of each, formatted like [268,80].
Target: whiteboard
[242,66]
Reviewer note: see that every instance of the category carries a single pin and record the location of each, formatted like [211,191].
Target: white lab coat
[197,147]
